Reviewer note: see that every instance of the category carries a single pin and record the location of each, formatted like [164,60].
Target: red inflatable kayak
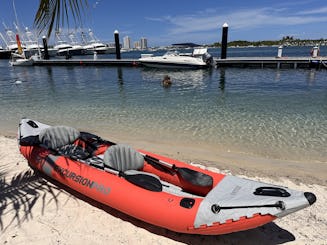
[156,189]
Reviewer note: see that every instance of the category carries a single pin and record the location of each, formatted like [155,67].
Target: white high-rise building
[144,43]
[127,42]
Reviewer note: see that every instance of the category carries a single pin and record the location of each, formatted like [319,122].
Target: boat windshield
[172,53]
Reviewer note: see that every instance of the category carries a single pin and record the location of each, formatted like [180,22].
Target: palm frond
[57,12]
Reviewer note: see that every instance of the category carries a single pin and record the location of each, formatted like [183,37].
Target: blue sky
[173,21]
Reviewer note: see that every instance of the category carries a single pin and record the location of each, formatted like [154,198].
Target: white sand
[36,211]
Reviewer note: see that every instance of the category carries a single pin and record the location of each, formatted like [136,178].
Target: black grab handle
[271,191]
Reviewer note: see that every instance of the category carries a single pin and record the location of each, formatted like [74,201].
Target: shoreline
[239,163]
[36,210]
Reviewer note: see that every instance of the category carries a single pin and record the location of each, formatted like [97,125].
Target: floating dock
[242,62]
[87,62]
[273,62]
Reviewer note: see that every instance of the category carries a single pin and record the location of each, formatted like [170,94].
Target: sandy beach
[35,210]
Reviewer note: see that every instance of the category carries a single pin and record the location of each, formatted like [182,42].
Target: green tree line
[287,41]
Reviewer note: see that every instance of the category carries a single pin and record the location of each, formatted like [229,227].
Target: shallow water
[272,113]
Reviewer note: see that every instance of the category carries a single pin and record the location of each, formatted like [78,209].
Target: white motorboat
[92,44]
[20,60]
[66,49]
[4,53]
[10,41]
[97,47]
[200,58]
[75,45]
[31,43]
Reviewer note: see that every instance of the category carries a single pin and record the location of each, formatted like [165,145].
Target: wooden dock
[273,62]
[242,62]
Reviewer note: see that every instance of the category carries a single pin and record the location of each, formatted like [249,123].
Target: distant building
[144,43]
[137,45]
[127,42]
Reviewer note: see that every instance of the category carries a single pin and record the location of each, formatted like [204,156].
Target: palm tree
[56,12]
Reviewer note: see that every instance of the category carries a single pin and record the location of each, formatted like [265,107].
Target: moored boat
[32,46]
[11,41]
[92,44]
[19,58]
[200,58]
[4,54]
[156,189]
[65,49]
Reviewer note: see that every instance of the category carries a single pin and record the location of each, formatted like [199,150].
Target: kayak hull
[179,207]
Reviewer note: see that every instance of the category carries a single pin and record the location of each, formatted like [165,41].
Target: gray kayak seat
[123,157]
[58,136]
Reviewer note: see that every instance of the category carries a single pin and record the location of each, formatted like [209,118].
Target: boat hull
[173,61]
[5,54]
[105,50]
[22,62]
[168,65]
[72,52]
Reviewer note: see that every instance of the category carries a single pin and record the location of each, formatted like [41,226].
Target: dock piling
[45,46]
[116,34]
[224,41]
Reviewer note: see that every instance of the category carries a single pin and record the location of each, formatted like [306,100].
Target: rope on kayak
[215,208]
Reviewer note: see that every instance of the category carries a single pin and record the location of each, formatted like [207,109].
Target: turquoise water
[272,113]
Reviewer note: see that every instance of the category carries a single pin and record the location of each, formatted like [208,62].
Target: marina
[276,113]
[74,53]
[273,62]
[166,131]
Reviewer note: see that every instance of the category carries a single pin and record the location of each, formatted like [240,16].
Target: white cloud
[204,26]
[322,10]
[211,20]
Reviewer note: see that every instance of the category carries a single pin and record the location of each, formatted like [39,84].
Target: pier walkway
[87,62]
[273,62]
[243,62]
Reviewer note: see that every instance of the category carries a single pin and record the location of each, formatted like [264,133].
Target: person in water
[166,82]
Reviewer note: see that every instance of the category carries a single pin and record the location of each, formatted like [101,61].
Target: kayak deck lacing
[215,208]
